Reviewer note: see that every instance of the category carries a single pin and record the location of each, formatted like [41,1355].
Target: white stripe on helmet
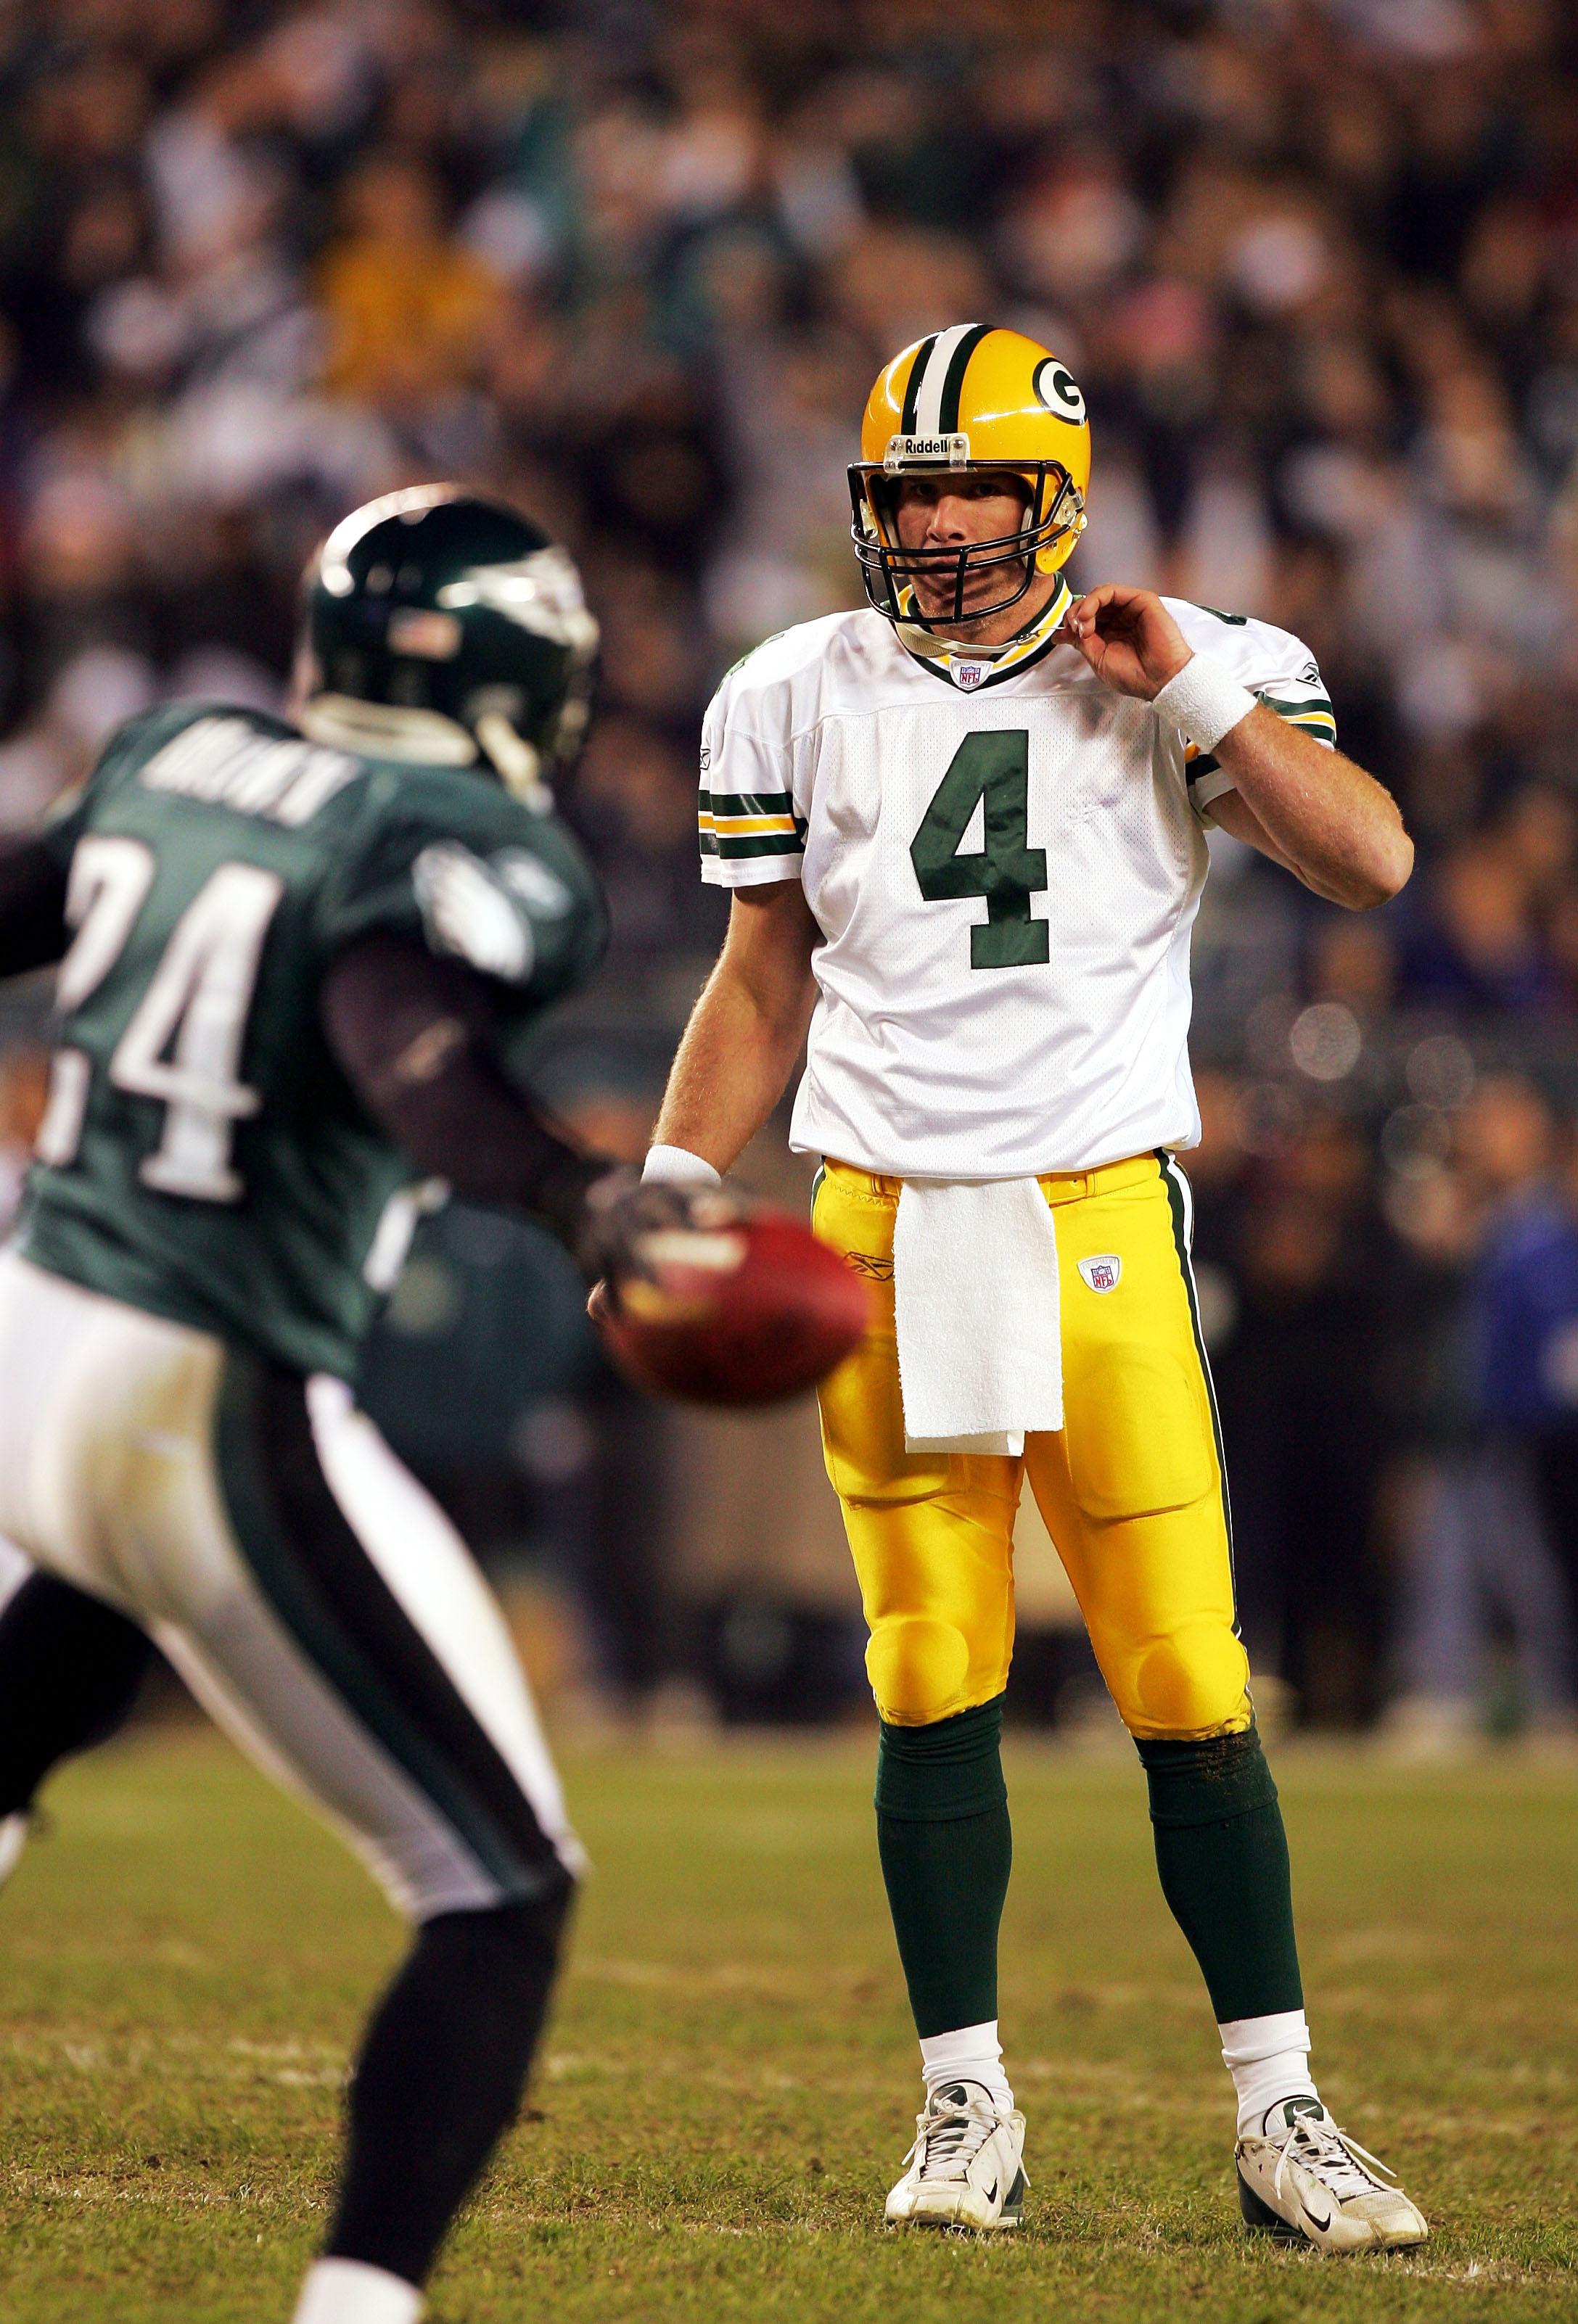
[928,401]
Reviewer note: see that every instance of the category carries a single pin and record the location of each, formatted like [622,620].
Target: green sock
[1223,1856]
[942,1835]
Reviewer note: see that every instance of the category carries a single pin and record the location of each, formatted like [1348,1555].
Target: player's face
[949,512]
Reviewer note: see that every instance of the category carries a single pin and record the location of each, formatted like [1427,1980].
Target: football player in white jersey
[965,832]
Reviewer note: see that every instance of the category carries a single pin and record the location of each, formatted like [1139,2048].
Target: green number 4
[992,771]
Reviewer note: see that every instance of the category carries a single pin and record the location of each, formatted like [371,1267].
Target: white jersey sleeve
[1271,663]
[754,765]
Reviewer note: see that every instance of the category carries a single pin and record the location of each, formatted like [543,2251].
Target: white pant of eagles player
[314,1598]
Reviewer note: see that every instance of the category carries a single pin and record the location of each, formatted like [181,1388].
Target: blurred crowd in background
[1315,264]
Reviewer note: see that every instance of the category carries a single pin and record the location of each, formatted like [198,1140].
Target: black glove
[619,1212]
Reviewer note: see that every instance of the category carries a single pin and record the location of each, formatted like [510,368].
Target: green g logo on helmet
[1054,384]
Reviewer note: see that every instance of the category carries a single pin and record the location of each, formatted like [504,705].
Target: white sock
[971,2053]
[348,2291]
[1269,2059]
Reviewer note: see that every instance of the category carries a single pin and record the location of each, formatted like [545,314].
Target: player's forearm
[412,1035]
[731,1069]
[745,1032]
[1325,818]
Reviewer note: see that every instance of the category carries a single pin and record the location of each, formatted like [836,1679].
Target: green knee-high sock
[1223,1856]
[942,1835]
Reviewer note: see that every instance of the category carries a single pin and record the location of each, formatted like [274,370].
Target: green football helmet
[446,629]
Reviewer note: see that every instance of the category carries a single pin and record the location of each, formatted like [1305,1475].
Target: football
[749,1314]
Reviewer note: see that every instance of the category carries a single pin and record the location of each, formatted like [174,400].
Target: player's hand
[1128,637]
[624,1215]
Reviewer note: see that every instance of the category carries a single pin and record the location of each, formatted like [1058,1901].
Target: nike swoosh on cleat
[991,2196]
[1310,2215]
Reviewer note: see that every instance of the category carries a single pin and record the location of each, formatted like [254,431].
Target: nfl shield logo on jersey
[1102,1274]
[968,675]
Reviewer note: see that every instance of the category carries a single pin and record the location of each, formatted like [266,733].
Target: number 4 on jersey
[197,1005]
[992,771]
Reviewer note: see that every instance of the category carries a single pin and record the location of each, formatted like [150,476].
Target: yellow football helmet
[971,398]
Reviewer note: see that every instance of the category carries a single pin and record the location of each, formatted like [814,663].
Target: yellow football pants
[1130,1489]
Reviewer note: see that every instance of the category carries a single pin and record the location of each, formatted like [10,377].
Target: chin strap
[378,730]
[518,761]
[426,738]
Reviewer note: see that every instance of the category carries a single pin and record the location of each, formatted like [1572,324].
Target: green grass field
[728,2083]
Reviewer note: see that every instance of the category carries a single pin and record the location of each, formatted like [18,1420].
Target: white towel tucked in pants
[980,1331]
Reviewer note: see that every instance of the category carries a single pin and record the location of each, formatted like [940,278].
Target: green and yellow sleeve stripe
[735,825]
[1313,715]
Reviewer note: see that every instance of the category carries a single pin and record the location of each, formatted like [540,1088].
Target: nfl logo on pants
[1102,1274]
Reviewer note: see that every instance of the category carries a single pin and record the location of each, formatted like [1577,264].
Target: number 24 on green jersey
[194,1007]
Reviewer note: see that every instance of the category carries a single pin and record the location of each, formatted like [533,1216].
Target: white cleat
[966,2167]
[14,1832]
[1305,2180]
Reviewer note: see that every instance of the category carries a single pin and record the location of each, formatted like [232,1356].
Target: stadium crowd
[1315,263]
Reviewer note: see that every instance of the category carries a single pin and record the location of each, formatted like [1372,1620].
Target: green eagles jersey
[202,1156]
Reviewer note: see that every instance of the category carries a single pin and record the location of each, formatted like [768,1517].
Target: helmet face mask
[448,630]
[1054,510]
[971,401]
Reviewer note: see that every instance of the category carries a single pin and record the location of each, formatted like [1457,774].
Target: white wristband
[1205,701]
[676,1166]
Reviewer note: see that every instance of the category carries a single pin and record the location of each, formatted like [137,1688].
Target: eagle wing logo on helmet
[541,593]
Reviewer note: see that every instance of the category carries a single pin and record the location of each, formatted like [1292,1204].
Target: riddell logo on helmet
[903,449]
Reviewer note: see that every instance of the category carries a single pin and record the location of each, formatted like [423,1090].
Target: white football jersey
[1005,860]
